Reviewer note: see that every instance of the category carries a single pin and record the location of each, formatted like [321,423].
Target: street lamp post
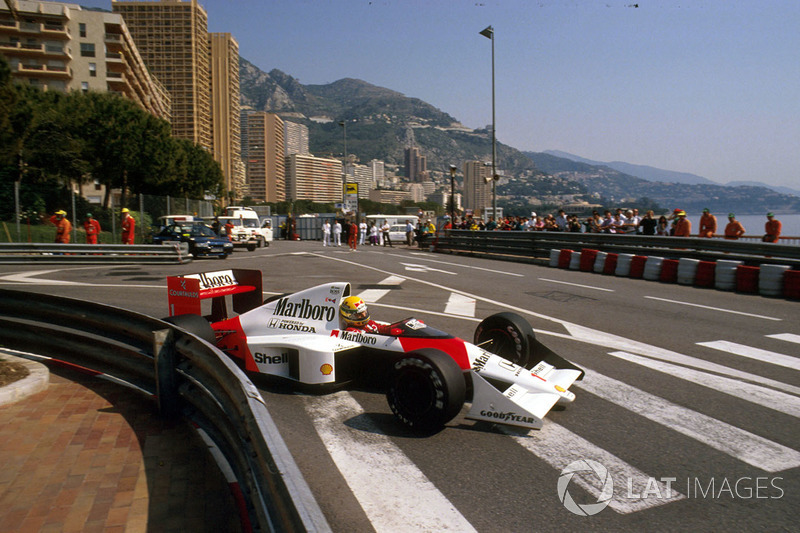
[489,34]
[453,194]
[343,124]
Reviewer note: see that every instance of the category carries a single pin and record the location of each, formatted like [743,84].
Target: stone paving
[89,455]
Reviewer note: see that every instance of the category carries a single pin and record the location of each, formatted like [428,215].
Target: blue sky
[710,87]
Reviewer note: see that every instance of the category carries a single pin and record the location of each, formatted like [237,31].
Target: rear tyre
[426,390]
[508,335]
[194,324]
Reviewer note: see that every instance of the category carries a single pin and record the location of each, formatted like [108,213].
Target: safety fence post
[165,359]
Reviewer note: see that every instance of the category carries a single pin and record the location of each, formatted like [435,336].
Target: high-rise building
[60,46]
[416,165]
[225,126]
[266,174]
[313,178]
[172,38]
[477,193]
[378,172]
[296,136]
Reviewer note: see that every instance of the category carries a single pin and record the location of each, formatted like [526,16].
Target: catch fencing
[189,377]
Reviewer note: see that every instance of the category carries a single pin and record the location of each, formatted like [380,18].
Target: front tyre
[426,390]
[508,335]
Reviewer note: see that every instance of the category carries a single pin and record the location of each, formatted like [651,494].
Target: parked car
[201,238]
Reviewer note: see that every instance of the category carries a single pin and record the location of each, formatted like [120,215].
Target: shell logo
[326,369]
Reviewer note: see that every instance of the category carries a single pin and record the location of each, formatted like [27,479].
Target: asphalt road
[689,407]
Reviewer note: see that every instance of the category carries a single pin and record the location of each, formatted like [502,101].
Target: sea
[753,224]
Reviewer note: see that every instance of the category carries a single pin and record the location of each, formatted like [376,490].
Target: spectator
[92,228]
[607,225]
[63,226]
[491,225]
[385,231]
[128,227]
[734,228]
[662,228]
[326,233]
[362,232]
[772,229]
[683,227]
[648,224]
[629,223]
[561,221]
[708,224]
[409,233]
[638,220]
[374,238]
[352,235]
[574,224]
[337,233]
[550,223]
[673,218]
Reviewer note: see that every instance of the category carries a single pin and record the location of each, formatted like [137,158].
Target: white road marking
[460,265]
[458,304]
[558,447]
[608,340]
[422,268]
[394,493]
[25,277]
[714,308]
[754,353]
[788,337]
[779,401]
[576,285]
[738,443]
[373,295]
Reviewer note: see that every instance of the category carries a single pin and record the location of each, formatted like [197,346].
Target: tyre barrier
[687,269]
[652,268]
[705,274]
[725,274]
[611,264]
[575,261]
[791,284]
[747,279]
[669,271]
[637,266]
[770,280]
[600,262]
[588,257]
[623,268]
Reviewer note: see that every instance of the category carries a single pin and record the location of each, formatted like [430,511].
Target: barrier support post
[165,359]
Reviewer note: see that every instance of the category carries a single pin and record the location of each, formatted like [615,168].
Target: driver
[354,313]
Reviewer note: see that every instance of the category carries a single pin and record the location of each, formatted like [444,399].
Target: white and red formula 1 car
[428,375]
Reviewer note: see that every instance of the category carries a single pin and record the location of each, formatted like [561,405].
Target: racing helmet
[353,311]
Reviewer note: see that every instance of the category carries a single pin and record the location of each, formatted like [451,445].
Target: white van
[247,225]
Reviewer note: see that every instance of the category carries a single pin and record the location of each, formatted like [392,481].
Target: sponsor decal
[304,309]
[507,365]
[186,294]
[415,324]
[336,291]
[356,336]
[213,280]
[508,417]
[291,325]
[331,300]
[480,361]
[326,369]
[538,369]
[266,359]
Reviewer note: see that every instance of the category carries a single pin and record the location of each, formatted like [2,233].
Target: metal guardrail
[94,253]
[190,377]
[535,246]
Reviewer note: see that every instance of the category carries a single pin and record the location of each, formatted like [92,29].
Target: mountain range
[380,123]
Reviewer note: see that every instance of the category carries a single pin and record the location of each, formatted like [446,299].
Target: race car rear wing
[185,293]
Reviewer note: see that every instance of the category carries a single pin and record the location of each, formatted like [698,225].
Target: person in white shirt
[362,230]
[337,234]
[385,231]
[326,233]
[373,234]
[561,220]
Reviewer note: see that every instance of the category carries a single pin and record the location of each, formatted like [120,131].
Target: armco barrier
[94,253]
[192,377]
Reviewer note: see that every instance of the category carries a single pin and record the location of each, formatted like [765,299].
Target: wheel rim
[503,344]
[414,393]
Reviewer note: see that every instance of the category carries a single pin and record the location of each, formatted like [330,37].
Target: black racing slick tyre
[508,335]
[426,390]
[194,324]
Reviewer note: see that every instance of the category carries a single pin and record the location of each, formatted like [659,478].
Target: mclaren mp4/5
[506,374]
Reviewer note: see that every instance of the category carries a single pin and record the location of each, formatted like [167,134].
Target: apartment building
[266,173]
[313,178]
[225,112]
[172,38]
[296,136]
[416,165]
[477,193]
[63,47]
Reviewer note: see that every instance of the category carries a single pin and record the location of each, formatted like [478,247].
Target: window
[85,86]
[87,49]
[93,69]
[82,29]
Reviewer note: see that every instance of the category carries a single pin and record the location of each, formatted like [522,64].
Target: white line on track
[458,304]
[779,401]
[788,337]
[738,443]
[394,493]
[373,295]
[493,271]
[576,285]
[714,308]
[754,353]
[558,446]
